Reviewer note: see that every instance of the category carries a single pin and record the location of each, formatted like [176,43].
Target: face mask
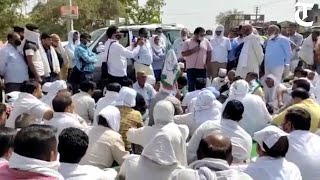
[17,42]
[118,36]
[272,36]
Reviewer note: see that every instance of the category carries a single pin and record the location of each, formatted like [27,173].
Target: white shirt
[188,98]
[240,139]
[84,106]
[177,47]
[267,168]
[145,55]
[117,60]
[12,65]
[27,103]
[109,98]
[36,60]
[220,48]
[255,116]
[85,172]
[65,120]
[148,92]
[304,148]
[217,82]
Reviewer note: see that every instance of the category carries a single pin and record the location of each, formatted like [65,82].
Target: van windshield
[96,34]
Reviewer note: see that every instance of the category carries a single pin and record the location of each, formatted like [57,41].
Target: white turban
[205,100]
[112,116]
[46,87]
[127,97]
[163,112]
[239,88]
[269,136]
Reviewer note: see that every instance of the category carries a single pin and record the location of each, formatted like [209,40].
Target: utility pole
[257,11]
[297,6]
[69,20]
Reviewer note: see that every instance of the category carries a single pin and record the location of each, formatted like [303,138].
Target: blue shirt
[12,65]
[278,52]
[232,52]
[84,59]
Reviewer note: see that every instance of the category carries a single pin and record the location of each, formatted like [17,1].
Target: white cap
[269,136]
[222,72]
[181,65]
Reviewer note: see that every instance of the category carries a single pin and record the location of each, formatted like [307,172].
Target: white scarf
[243,59]
[55,87]
[306,51]
[35,165]
[71,45]
[112,116]
[127,97]
[157,48]
[239,88]
[219,39]
[206,107]
[55,61]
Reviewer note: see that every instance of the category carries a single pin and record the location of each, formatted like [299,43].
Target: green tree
[150,13]
[9,16]
[47,16]
[221,18]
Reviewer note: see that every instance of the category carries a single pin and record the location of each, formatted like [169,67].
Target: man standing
[31,52]
[220,49]
[278,53]
[159,32]
[178,43]
[296,42]
[73,42]
[49,58]
[84,62]
[62,56]
[144,59]
[13,67]
[232,63]
[251,55]
[197,53]
[116,56]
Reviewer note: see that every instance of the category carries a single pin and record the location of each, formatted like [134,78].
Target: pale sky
[194,13]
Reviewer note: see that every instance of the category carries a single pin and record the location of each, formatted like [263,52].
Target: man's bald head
[215,146]
[55,40]
[247,29]
[273,29]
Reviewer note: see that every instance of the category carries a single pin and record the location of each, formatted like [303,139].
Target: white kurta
[84,106]
[85,172]
[255,116]
[240,139]
[251,56]
[267,168]
[27,103]
[62,121]
[304,148]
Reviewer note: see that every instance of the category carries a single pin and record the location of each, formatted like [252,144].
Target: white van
[99,37]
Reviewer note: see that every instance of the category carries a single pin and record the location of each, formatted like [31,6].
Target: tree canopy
[221,17]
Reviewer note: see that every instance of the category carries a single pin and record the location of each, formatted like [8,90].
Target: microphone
[198,41]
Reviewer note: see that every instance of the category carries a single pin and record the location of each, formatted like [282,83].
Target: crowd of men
[207,107]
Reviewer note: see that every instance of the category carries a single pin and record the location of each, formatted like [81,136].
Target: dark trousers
[115,79]
[157,74]
[231,65]
[53,77]
[10,87]
[193,75]
[77,77]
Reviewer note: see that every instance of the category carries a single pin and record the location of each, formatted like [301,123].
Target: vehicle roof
[151,26]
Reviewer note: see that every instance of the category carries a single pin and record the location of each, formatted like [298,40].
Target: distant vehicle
[99,37]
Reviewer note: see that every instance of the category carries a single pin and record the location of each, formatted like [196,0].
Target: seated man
[73,144]
[219,81]
[24,120]
[301,99]
[64,116]
[255,85]
[304,146]
[214,156]
[84,104]
[28,102]
[229,127]
[34,157]
[144,88]
[6,143]
[199,85]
